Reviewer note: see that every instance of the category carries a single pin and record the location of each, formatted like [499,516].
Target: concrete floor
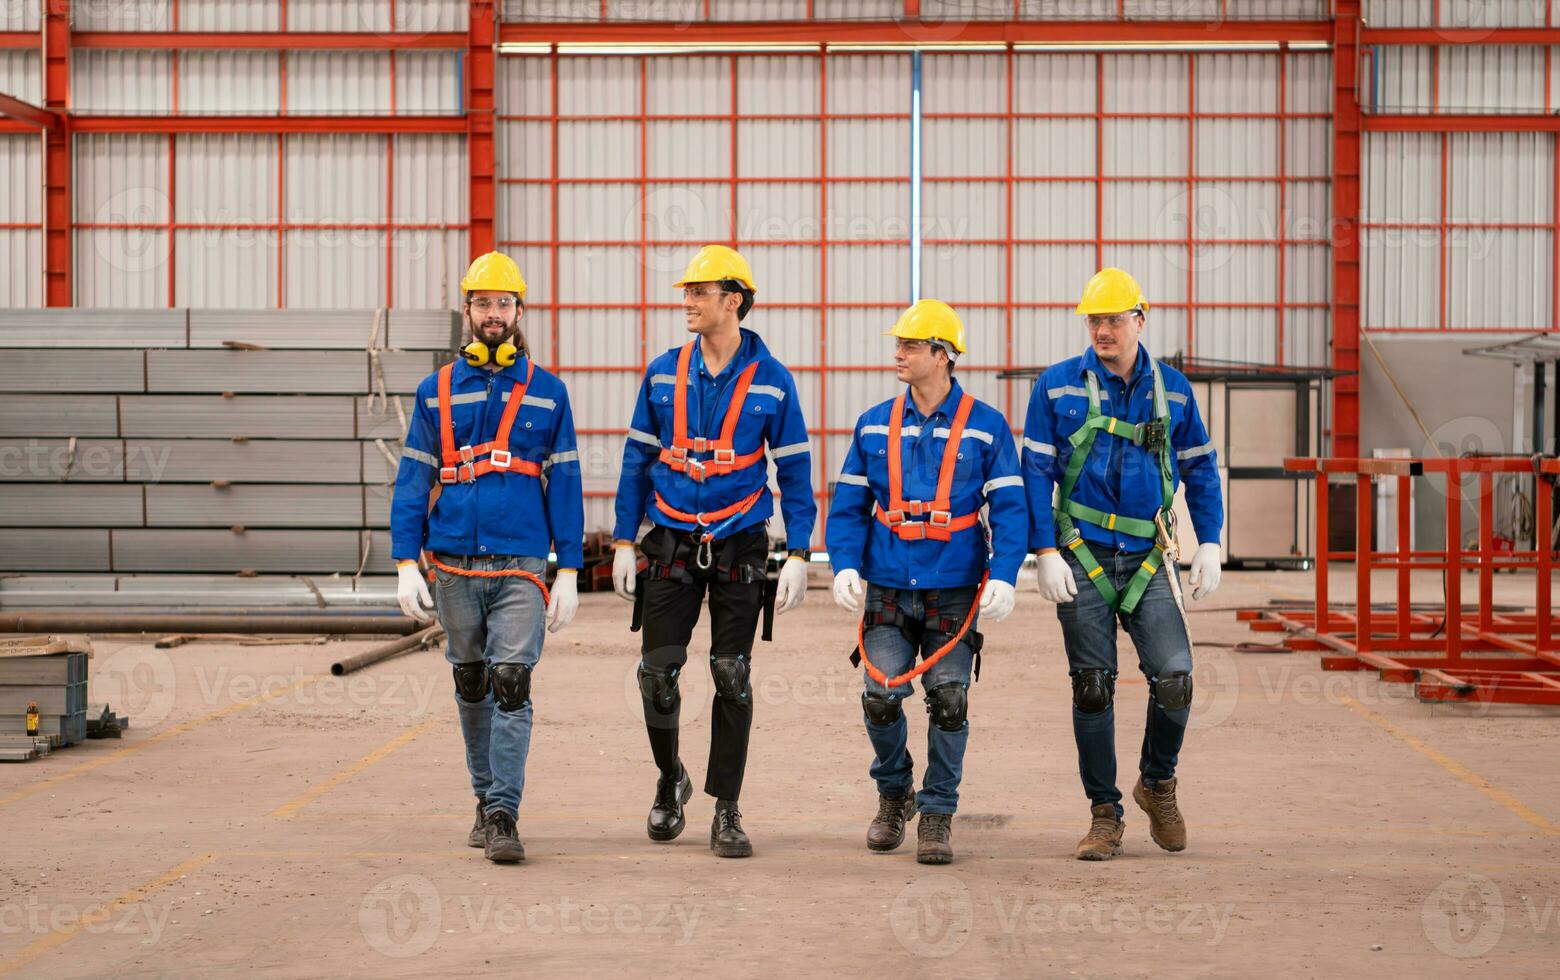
[262,817]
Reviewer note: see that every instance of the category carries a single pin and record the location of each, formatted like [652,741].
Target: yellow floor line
[1505,799]
[103,912]
[161,736]
[290,809]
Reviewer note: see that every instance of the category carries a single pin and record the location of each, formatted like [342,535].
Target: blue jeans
[1159,633]
[892,653]
[496,620]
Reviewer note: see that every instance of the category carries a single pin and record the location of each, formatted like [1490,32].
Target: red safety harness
[940,522]
[465,464]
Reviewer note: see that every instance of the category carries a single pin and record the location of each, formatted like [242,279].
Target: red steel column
[58,285]
[1346,232]
[480,143]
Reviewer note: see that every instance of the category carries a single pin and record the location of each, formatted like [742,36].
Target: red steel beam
[1346,232]
[271,41]
[481,152]
[914,32]
[1462,124]
[1460,35]
[26,112]
[58,288]
[268,124]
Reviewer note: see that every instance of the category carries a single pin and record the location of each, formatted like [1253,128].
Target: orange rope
[942,651]
[496,573]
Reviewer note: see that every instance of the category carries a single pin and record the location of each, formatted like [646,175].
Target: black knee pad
[471,681]
[1093,690]
[949,705]
[880,708]
[511,686]
[660,688]
[1172,691]
[731,678]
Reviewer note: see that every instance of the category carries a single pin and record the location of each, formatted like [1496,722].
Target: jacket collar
[946,409]
[1091,362]
[464,372]
[750,350]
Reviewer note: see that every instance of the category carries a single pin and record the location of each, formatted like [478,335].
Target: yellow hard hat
[496,271]
[930,319]
[717,262]
[1111,291]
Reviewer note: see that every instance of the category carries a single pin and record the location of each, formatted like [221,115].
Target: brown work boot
[887,830]
[1164,817]
[1103,841]
[934,843]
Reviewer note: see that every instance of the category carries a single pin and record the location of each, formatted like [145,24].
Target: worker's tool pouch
[917,632]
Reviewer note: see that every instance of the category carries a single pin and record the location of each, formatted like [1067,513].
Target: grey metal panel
[286,329]
[225,551]
[264,372]
[424,329]
[81,329]
[53,549]
[265,505]
[51,370]
[404,370]
[50,460]
[377,419]
[257,416]
[258,461]
[58,415]
[70,505]
[376,505]
[377,470]
[378,550]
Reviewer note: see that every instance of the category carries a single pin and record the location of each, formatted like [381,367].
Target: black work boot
[934,833]
[478,835]
[666,813]
[726,837]
[887,830]
[503,844]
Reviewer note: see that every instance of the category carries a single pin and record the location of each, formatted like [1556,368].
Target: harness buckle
[679,454]
[895,517]
[447,474]
[940,518]
[467,455]
[911,531]
[700,444]
[466,472]
[1153,435]
[694,469]
[499,459]
[916,507]
[725,457]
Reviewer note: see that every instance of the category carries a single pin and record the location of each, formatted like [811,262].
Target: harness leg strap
[639,602]
[770,587]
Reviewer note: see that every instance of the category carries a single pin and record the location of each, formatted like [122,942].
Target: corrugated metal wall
[932,10]
[1207,174]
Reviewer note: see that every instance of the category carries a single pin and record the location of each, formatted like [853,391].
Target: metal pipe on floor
[48,621]
[394,648]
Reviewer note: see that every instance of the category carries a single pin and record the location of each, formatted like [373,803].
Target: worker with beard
[489,485]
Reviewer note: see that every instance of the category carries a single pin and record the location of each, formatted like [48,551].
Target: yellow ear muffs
[477,354]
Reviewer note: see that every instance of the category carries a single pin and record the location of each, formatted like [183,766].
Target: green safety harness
[1154,437]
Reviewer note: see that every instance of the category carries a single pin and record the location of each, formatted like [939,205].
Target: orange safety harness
[723,456]
[463,465]
[940,522]
[925,665]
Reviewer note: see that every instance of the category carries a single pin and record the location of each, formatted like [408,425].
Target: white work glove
[565,601]
[792,588]
[847,590]
[997,601]
[411,591]
[1206,570]
[1055,578]
[624,569]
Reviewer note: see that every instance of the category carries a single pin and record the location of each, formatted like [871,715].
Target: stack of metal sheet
[51,673]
